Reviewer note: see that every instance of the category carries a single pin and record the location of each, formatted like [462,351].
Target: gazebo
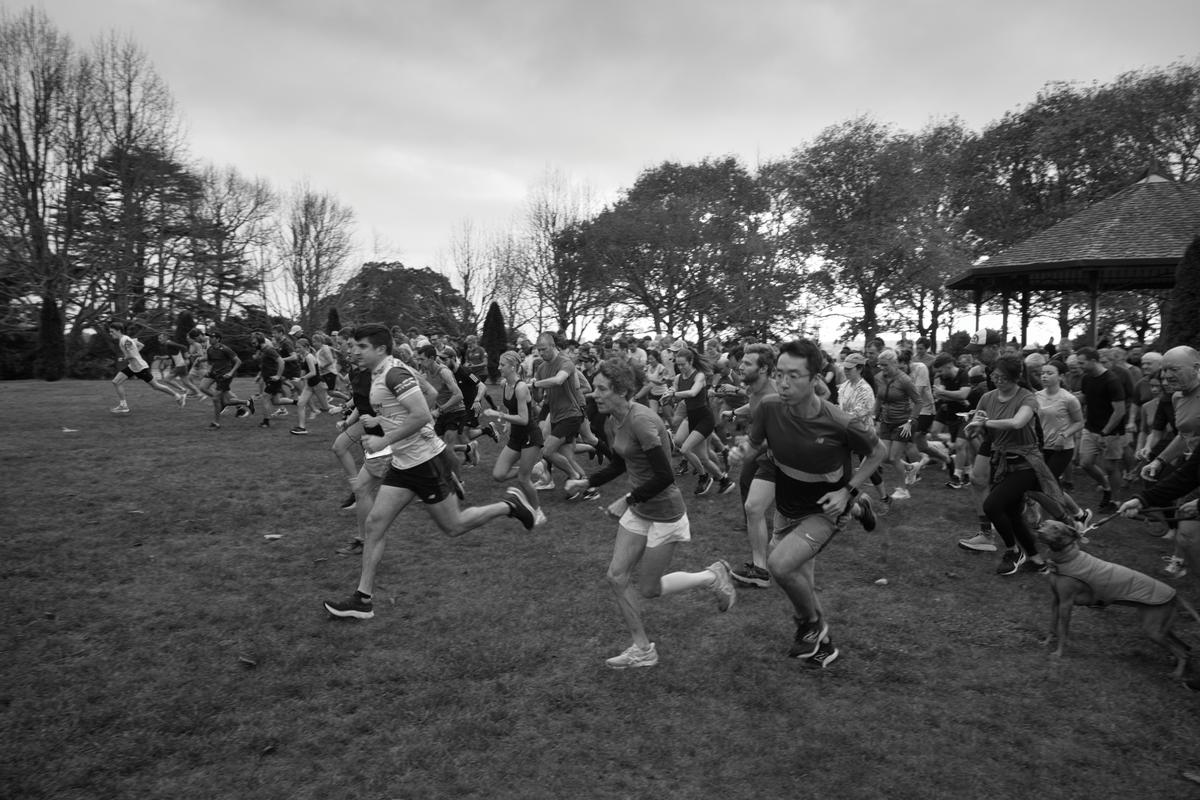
[1131,240]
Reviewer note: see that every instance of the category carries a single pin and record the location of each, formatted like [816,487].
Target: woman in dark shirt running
[652,517]
[524,447]
[691,386]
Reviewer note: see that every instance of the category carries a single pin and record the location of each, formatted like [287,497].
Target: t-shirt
[920,378]
[291,369]
[175,352]
[220,358]
[563,400]
[857,400]
[946,409]
[1056,412]
[1099,394]
[132,353]
[268,362]
[391,382]
[997,408]
[812,455]
[468,384]
[642,430]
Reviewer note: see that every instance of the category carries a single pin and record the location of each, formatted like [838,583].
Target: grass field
[136,575]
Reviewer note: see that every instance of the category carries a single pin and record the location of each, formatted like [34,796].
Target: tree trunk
[51,361]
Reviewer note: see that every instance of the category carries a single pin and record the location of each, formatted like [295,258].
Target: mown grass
[136,574]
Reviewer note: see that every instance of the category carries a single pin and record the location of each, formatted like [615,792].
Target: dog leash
[1140,516]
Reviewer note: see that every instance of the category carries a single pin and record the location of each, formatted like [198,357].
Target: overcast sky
[422,114]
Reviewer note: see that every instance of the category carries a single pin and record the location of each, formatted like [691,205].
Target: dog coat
[1114,583]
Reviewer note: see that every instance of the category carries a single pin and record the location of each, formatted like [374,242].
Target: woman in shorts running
[652,517]
[310,377]
[524,447]
[896,406]
[691,386]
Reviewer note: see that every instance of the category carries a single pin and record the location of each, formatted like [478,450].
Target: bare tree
[46,141]
[471,263]
[315,239]
[230,221]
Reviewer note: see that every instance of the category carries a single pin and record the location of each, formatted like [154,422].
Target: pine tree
[1182,323]
[51,361]
[333,322]
[495,339]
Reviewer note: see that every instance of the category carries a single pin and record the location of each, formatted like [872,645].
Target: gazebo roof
[1131,240]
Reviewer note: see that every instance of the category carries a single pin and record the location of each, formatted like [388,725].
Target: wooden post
[1004,298]
[1024,315]
[1095,292]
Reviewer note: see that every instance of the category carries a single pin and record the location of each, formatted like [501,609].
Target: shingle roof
[1131,240]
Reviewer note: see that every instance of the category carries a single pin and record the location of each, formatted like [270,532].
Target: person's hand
[489,413]
[617,508]
[835,502]
[1189,510]
[1142,454]
[372,444]
[1151,470]
[1130,508]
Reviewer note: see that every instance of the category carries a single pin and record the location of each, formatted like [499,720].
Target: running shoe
[181,400]
[703,484]
[349,503]
[866,514]
[725,485]
[750,575]
[519,508]
[490,431]
[120,409]
[912,472]
[266,423]
[1174,568]
[242,411]
[279,412]
[544,485]
[1010,562]
[683,468]
[214,426]
[1083,519]
[900,493]
[980,542]
[808,638]
[723,586]
[354,607]
[298,431]
[539,517]
[634,656]
[826,654]
[354,548]
[472,454]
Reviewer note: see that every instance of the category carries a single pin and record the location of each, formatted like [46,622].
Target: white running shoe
[634,656]
[980,542]
[900,493]
[120,409]
[539,518]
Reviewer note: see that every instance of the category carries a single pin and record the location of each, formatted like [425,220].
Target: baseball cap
[295,329]
[855,360]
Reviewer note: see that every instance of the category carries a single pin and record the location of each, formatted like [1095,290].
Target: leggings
[1004,506]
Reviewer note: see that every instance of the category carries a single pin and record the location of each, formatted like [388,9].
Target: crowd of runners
[1016,434]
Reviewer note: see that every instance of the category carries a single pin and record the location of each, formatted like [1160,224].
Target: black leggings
[1005,504]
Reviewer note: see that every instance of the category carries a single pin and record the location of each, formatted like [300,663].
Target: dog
[1078,578]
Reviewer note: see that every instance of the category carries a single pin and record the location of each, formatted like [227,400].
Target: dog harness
[1114,583]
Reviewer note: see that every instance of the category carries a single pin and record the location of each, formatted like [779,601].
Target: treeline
[865,216]
[105,215]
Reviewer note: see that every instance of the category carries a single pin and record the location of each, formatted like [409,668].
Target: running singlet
[392,382]
[639,431]
[132,354]
[812,456]
[468,384]
[698,402]
[898,399]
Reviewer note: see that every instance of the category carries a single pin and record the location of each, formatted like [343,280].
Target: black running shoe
[750,575]
[704,483]
[725,486]
[808,638]
[353,548]
[350,502]
[683,468]
[519,508]
[355,607]
[826,654]
[266,423]
[1010,562]
[242,411]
